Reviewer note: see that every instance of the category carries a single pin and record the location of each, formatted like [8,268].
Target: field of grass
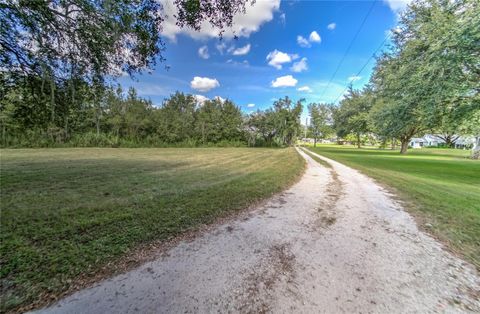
[66,213]
[441,188]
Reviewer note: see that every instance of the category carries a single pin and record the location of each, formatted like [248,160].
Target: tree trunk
[476,148]
[448,141]
[4,132]
[394,143]
[98,126]
[359,145]
[52,100]
[65,128]
[72,88]
[97,111]
[314,142]
[404,147]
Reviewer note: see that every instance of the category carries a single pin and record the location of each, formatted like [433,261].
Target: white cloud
[231,49]
[219,98]
[221,46]
[354,78]
[203,84]
[303,42]
[397,6]
[203,52]
[200,99]
[283,18]
[314,37]
[332,26]
[251,105]
[243,24]
[304,89]
[284,81]
[277,58]
[241,51]
[306,43]
[300,66]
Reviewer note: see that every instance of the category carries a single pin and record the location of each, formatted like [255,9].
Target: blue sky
[269,60]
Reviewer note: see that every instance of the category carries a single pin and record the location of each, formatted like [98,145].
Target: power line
[365,65]
[443,41]
[349,47]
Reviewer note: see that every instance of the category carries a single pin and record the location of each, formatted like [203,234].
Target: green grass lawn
[441,187]
[66,213]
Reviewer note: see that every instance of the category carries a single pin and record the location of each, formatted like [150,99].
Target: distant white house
[417,142]
[329,140]
[431,140]
[465,142]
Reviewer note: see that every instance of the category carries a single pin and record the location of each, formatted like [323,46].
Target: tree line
[78,114]
[428,80]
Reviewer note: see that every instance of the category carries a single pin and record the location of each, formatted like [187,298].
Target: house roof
[433,138]
[418,140]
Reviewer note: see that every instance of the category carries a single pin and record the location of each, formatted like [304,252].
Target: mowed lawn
[441,188]
[66,213]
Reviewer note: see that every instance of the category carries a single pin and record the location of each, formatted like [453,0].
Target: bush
[91,139]
[56,138]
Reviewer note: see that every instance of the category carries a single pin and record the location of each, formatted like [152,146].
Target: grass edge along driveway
[440,187]
[67,213]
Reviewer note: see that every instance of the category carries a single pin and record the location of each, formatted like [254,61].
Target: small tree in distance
[320,121]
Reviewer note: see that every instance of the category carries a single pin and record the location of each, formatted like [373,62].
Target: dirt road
[335,242]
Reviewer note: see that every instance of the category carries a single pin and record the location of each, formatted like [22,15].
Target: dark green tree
[287,119]
[320,121]
[351,116]
[432,70]
[176,118]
